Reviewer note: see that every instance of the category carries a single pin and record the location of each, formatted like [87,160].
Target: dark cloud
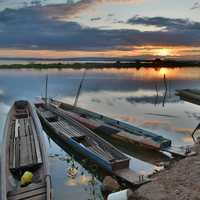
[111,15]
[30,28]
[167,23]
[61,10]
[116,21]
[96,19]
[196,5]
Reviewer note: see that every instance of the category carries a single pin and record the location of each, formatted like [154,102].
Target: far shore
[95,65]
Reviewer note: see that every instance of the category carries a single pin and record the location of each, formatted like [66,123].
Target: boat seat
[21,113]
[24,149]
[51,117]
[33,192]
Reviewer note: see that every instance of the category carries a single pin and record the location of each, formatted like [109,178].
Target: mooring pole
[79,89]
[46,89]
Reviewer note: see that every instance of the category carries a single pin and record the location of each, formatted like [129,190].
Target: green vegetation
[157,63]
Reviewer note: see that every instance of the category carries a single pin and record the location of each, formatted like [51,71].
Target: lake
[142,97]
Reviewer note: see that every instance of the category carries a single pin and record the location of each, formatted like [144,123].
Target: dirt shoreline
[180,182]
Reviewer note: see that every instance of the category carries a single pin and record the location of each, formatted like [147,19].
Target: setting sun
[164,52]
[163,71]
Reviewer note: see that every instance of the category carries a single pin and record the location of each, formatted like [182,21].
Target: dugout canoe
[23,150]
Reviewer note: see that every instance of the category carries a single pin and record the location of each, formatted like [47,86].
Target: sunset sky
[100,28]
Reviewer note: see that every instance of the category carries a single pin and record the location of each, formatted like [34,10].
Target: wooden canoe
[87,143]
[116,129]
[189,95]
[24,150]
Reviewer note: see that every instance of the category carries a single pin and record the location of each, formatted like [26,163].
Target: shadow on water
[97,173]
[138,152]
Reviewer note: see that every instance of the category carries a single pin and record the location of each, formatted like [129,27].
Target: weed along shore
[157,63]
[180,181]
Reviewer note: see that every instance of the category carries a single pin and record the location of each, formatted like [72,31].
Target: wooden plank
[37,145]
[40,197]
[24,154]
[22,128]
[26,127]
[72,129]
[100,153]
[30,142]
[29,195]
[16,128]
[11,145]
[48,114]
[29,188]
[48,186]
[61,129]
[17,153]
[67,128]
[33,149]
[29,150]
[130,176]
[106,153]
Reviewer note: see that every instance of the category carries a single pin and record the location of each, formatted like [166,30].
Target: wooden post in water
[46,89]
[79,89]
[166,89]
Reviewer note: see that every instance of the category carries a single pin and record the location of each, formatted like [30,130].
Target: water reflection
[126,94]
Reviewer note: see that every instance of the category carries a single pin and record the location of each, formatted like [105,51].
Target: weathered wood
[26,148]
[32,143]
[17,153]
[48,114]
[130,176]
[61,129]
[26,189]
[100,152]
[65,128]
[48,186]
[37,145]
[92,146]
[192,96]
[29,194]
[21,139]
[29,143]
[69,128]
[16,128]
[22,132]
[40,197]
[24,154]
[11,145]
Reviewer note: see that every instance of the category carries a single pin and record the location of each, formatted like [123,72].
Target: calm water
[137,96]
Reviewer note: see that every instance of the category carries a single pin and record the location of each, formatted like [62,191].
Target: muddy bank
[180,182]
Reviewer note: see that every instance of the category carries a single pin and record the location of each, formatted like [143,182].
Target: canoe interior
[25,153]
[116,128]
[189,95]
[80,137]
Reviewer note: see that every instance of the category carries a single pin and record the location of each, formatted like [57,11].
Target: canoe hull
[80,148]
[83,116]
[8,182]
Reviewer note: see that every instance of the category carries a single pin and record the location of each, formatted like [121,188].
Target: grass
[137,65]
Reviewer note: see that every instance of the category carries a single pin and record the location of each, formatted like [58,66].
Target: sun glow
[132,51]
[164,52]
[164,71]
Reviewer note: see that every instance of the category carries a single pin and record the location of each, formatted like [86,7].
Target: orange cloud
[150,51]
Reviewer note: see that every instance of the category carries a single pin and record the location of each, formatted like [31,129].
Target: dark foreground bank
[180,182]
